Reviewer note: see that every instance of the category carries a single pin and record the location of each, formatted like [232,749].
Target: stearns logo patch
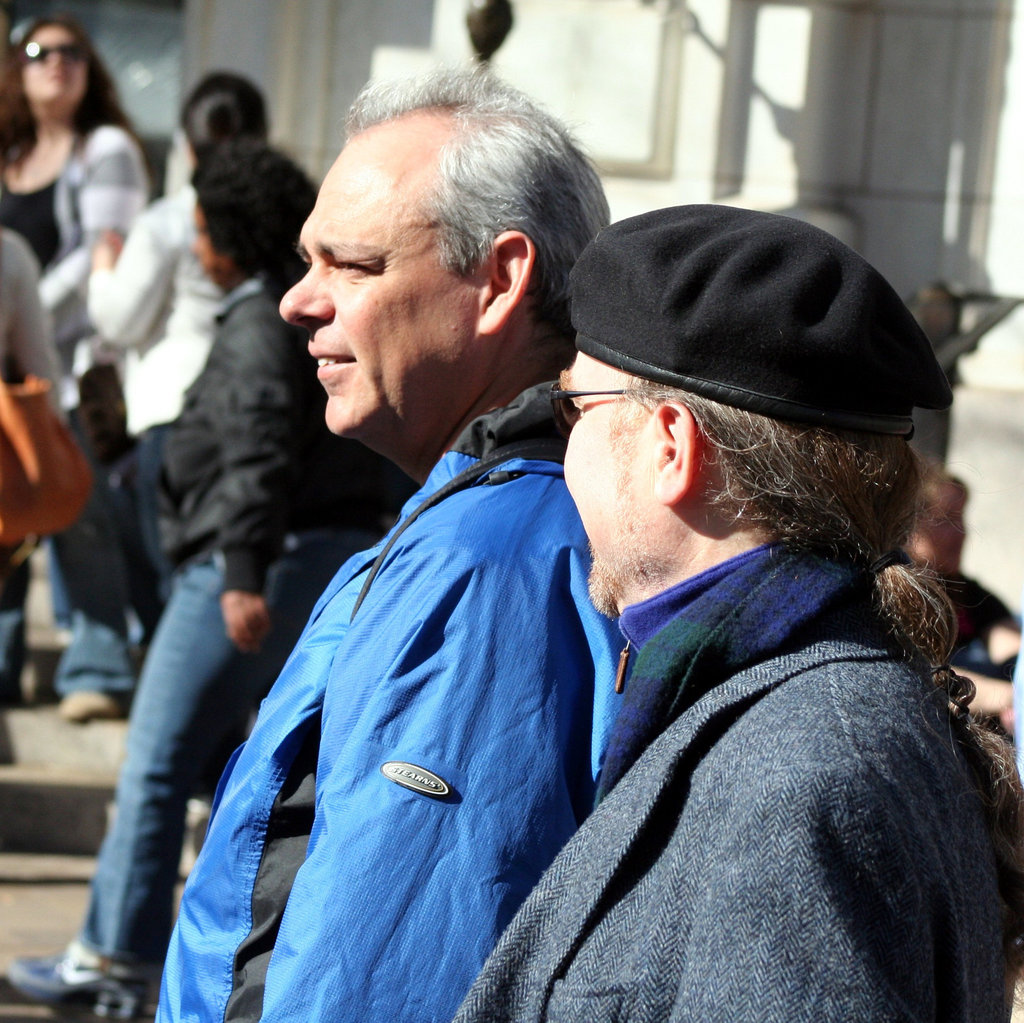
[418,779]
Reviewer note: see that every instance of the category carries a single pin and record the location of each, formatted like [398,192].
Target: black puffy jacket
[250,459]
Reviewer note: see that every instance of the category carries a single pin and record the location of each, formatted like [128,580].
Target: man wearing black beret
[798,817]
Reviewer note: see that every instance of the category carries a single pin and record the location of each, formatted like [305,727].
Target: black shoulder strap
[546,449]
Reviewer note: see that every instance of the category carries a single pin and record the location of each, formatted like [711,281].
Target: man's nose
[305,303]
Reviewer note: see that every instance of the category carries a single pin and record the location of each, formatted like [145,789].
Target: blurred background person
[150,299]
[71,169]
[988,635]
[260,506]
[25,347]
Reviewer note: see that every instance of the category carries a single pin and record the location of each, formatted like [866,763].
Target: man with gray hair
[435,736]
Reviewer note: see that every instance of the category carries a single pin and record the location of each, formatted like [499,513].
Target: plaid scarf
[753,612]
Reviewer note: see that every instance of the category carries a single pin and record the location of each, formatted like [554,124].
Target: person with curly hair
[151,301]
[71,169]
[260,505]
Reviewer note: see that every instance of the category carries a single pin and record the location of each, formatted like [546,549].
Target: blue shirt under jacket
[477,656]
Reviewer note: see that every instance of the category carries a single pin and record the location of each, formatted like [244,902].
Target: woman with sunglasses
[70,165]
[70,169]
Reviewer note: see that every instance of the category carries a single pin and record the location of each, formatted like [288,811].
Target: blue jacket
[477,659]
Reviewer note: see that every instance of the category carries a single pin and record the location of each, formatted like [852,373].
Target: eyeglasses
[567,412]
[71,52]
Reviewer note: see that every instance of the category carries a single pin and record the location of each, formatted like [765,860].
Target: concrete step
[37,735]
[45,868]
[53,810]
[57,783]
[57,780]
[62,812]
[43,901]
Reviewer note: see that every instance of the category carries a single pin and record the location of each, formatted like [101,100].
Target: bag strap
[478,474]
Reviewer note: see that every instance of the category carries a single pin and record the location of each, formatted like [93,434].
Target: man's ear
[507,273]
[676,454]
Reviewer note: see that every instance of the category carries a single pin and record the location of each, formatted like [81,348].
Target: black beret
[755,310]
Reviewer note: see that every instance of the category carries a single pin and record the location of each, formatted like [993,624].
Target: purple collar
[640,622]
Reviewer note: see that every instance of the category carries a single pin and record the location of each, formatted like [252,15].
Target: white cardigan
[158,307]
[102,187]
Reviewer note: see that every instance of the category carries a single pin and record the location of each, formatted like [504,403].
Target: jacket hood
[528,417]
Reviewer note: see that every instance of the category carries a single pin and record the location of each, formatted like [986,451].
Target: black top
[977,609]
[32,215]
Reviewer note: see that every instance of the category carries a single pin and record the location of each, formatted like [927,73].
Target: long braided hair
[856,495]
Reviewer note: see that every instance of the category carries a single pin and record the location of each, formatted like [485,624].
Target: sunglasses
[567,412]
[71,52]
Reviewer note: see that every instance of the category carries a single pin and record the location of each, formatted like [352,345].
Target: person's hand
[1007,719]
[246,619]
[993,697]
[107,250]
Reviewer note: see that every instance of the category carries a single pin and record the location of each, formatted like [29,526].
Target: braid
[855,496]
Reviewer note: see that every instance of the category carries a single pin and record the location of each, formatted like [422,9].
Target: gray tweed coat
[804,843]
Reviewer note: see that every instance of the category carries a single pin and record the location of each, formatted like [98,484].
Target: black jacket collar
[528,417]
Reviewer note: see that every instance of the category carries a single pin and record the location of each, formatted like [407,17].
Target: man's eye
[370,268]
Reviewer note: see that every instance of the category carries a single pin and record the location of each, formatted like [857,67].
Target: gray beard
[626,572]
[623,576]
[604,590]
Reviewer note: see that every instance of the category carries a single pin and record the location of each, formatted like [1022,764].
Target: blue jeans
[134,493]
[88,557]
[149,460]
[195,688]
[92,571]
